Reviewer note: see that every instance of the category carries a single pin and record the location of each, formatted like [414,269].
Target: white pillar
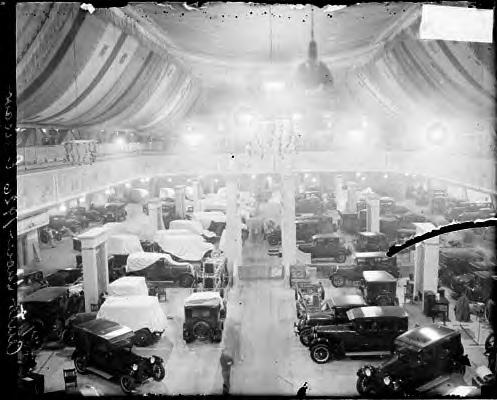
[351,197]
[373,215]
[426,260]
[95,269]
[288,231]
[233,228]
[155,215]
[180,201]
[196,196]
[339,193]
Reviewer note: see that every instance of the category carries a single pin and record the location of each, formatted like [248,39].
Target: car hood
[393,366]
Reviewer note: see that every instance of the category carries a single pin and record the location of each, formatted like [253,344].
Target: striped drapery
[76,69]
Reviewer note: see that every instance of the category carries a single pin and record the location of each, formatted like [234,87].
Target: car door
[356,338]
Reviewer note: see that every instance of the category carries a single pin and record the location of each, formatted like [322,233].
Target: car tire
[337,280]
[362,386]
[188,337]
[127,384]
[217,336]
[320,354]
[158,372]
[340,258]
[35,339]
[305,337]
[201,330]
[186,281]
[67,337]
[383,301]
[490,343]
[81,364]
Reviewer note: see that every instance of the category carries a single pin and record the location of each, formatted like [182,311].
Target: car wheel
[186,281]
[383,301]
[217,336]
[67,337]
[362,386]
[158,372]
[320,354]
[81,364]
[490,343]
[201,330]
[340,258]
[35,339]
[127,384]
[305,337]
[337,280]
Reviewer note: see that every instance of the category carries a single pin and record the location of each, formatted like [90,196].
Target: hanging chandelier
[313,74]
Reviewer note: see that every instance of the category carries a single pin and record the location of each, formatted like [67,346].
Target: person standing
[226,362]
[50,237]
[322,293]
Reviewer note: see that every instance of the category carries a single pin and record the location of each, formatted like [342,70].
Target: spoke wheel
[81,363]
[320,354]
[305,337]
[337,280]
[127,384]
[362,385]
[340,258]
[201,330]
[186,281]
[158,372]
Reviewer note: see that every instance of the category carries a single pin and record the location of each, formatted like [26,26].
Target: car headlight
[367,371]
[152,360]
[387,380]
[134,367]
[315,335]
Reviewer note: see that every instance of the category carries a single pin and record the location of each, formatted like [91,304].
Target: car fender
[318,340]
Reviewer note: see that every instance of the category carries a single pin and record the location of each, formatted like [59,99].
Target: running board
[368,353]
[435,382]
[97,371]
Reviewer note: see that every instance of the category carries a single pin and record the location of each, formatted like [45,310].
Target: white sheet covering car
[128,286]
[123,244]
[135,312]
[204,298]
[193,226]
[140,260]
[188,248]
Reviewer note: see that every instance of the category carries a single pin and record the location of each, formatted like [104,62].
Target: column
[351,197]
[339,193]
[32,247]
[426,260]
[95,268]
[196,196]
[288,233]
[155,215]
[233,228]
[373,215]
[180,201]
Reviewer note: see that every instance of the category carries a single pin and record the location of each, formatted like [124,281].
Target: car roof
[105,329]
[206,299]
[378,276]
[325,236]
[376,312]
[347,300]
[46,294]
[371,254]
[426,335]
[371,234]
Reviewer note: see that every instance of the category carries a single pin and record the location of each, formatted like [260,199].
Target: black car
[371,242]
[92,214]
[326,245]
[105,348]
[370,331]
[371,261]
[419,356]
[455,262]
[62,222]
[78,214]
[379,288]
[333,311]
[114,212]
[29,282]
[205,313]
[160,267]
[65,277]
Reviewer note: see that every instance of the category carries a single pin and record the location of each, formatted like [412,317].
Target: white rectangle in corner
[456,23]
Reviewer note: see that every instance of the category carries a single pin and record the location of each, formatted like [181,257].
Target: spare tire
[201,330]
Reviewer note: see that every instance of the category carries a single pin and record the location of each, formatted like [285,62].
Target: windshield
[403,350]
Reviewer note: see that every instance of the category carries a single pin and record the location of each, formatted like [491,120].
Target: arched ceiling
[145,66]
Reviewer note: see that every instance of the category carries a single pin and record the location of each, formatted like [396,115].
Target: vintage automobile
[389,226]
[408,219]
[379,288]
[205,313]
[371,241]
[326,245]
[386,205]
[371,261]
[419,356]
[61,223]
[332,311]
[114,212]
[46,311]
[370,331]
[65,277]
[156,267]
[455,261]
[476,285]
[142,314]
[91,215]
[105,348]
[71,322]
[45,236]
[214,273]
[128,286]
[307,298]
[78,215]
[29,282]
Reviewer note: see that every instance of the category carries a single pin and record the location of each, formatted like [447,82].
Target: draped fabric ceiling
[141,68]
